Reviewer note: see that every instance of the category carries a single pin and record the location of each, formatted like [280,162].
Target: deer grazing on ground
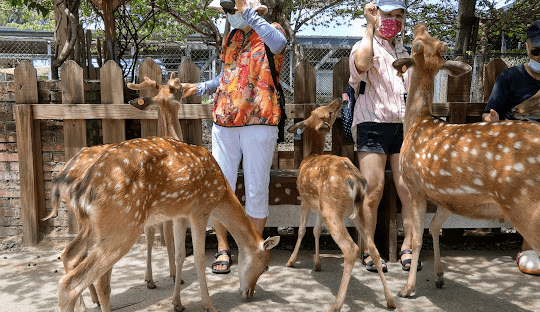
[481,170]
[334,188]
[145,181]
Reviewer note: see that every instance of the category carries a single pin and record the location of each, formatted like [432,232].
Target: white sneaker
[528,262]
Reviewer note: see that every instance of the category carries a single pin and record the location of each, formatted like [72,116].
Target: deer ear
[456,68]
[402,64]
[142,103]
[270,243]
[299,125]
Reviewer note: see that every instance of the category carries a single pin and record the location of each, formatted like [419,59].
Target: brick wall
[53,154]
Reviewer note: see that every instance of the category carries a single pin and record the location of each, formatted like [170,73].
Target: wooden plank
[459,88]
[493,69]
[188,71]
[30,154]
[72,84]
[305,84]
[88,40]
[151,70]
[126,111]
[458,113]
[112,91]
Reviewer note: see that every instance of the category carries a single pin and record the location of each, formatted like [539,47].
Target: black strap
[270,57]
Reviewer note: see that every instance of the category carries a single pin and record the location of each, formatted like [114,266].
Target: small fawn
[141,182]
[481,170]
[334,188]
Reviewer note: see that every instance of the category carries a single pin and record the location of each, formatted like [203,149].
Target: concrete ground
[484,280]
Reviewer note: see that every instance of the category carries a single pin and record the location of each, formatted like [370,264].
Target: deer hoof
[150,284]
[178,308]
[317,267]
[289,264]
[406,292]
[439,283]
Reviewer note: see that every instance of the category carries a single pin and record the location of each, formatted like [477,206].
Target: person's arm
[270,35]
[364,55]
[200,88]
[496,105]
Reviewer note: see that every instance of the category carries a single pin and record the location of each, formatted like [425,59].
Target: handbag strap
[273,71]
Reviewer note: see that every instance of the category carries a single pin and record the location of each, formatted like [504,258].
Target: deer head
[164,99]
[318,124]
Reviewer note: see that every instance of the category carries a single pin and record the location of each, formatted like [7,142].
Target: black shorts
[381,138]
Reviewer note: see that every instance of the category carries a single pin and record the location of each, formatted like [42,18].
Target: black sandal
[222,262]
[404,263]
[370,265]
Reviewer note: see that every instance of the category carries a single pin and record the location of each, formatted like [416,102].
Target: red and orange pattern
[246,93]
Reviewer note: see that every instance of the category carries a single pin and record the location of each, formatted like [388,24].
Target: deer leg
[149,233]
[72,255]
[169,242]
[179,229]
[98,262]
[418,213]
[435,229]
[301,232]
[350,252]
[103,290]
[198,234]
[317,235]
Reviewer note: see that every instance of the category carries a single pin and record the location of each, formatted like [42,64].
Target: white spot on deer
[469,190]
[126,161]
[155,203]
[506,150]
[453,154]
[493,173]
[474,152]
[500,146]
[459,169]
[435,157]
[517,145]
[127,209]
[508,179]
[511,134]
[118,186]
[482,123]
[478,182]
[465,149]
[138,202]
[444,173]
[519,167]
[497,157]
[531,160]
[529,182]
[489,155]
[507,167]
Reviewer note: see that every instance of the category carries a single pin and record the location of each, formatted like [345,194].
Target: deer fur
[141,182]
[480,170]
[334,188]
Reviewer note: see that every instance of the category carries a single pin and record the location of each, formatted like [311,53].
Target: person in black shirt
[514,86]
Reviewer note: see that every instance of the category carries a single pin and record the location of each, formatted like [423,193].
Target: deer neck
[317,142]
[419,99]
[171,124]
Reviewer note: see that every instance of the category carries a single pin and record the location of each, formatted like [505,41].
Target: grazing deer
[480,170]
[334,188]
[145,181]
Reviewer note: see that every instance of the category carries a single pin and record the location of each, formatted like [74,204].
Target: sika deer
[145,181]
[334,188]
[480,170]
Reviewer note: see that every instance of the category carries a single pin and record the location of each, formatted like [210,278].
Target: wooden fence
[113,112]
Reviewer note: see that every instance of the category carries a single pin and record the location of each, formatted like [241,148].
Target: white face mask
[534,66]
[237,21]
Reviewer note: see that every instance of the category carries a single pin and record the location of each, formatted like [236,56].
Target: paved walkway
[475,281]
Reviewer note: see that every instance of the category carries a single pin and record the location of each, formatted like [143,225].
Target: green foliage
[24,14]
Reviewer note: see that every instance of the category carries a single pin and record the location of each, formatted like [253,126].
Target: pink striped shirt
[383,99]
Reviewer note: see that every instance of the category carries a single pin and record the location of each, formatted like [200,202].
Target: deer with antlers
[334,188]
[144,181]
[480,170]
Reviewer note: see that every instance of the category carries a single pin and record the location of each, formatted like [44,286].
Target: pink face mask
[390,27]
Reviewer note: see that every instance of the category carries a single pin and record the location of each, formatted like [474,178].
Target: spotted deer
[479,170]
[141,182]
[334,188]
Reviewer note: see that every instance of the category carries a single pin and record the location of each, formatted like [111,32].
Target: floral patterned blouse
[246,93]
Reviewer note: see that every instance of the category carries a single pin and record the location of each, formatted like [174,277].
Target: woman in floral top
[246,111]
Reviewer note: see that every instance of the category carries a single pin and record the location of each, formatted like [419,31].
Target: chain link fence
[321,52]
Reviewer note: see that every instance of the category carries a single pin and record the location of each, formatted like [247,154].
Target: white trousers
[254,146]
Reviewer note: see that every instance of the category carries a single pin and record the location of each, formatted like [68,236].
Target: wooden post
[151,70]
[459,88]
[305,84]
[340,146]
[112,92]
[191,129]
[29,152]
[74,130]
[493,69]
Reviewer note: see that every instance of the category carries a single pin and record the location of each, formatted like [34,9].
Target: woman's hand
[240,5]
[492,116]
[370,13]
[188,89]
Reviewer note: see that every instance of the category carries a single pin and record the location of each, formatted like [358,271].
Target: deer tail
[357,190]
